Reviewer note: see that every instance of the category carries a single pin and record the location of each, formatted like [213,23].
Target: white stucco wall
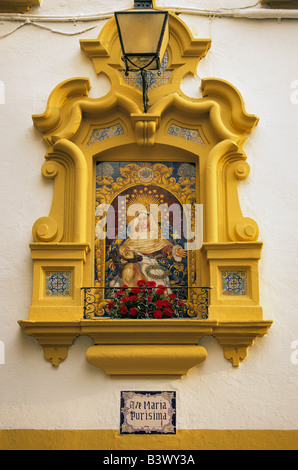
[260,59]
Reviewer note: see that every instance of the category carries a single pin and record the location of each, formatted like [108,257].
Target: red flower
[123,310]
[173,296]
[151,284]
[141,283]
[132,298]
[111,305]
[159,303]
[135,290]
[160,291]
[157,314]
[133,312]
[166,303]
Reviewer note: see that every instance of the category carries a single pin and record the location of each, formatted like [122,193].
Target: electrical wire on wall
[255,11]
[38,25]
[40,21]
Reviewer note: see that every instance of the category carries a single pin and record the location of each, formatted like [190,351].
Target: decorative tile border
[234,283]
[58,283]
[188,134]
[98,135]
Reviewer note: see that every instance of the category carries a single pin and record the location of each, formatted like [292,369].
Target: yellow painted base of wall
[183,440]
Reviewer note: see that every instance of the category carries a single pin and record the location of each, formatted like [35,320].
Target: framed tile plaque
[148,413]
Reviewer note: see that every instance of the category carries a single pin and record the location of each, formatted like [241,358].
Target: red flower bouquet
[147,300]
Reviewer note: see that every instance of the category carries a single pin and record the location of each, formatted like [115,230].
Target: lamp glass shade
[144,36]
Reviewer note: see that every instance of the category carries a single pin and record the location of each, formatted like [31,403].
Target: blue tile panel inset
[188,134]
[58,283]
[99,135]
[234,283]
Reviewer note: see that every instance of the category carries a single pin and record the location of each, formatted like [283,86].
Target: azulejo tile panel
[234,283]
[184,133]
[98,135]
[58,283]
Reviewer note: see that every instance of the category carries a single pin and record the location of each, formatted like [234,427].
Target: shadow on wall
[215,361]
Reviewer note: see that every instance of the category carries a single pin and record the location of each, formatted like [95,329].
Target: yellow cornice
[17,6]
[221,101]
[154,342]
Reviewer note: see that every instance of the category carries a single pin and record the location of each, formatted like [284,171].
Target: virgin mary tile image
[147,240]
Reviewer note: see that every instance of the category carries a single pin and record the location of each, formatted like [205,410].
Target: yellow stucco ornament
[209,133]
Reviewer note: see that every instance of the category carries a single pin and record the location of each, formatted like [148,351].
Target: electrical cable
[56,19]
[106,15]
[254,11]
[33,23]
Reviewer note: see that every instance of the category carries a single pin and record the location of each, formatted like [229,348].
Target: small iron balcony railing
[146,302]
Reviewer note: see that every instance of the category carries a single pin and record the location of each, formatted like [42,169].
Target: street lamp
[144,36]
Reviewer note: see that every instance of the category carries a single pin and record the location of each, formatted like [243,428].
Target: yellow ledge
[184,440]
[143,360]
[135,348]
[17,6]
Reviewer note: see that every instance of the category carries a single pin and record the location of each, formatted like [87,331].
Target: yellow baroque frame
[63,244]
